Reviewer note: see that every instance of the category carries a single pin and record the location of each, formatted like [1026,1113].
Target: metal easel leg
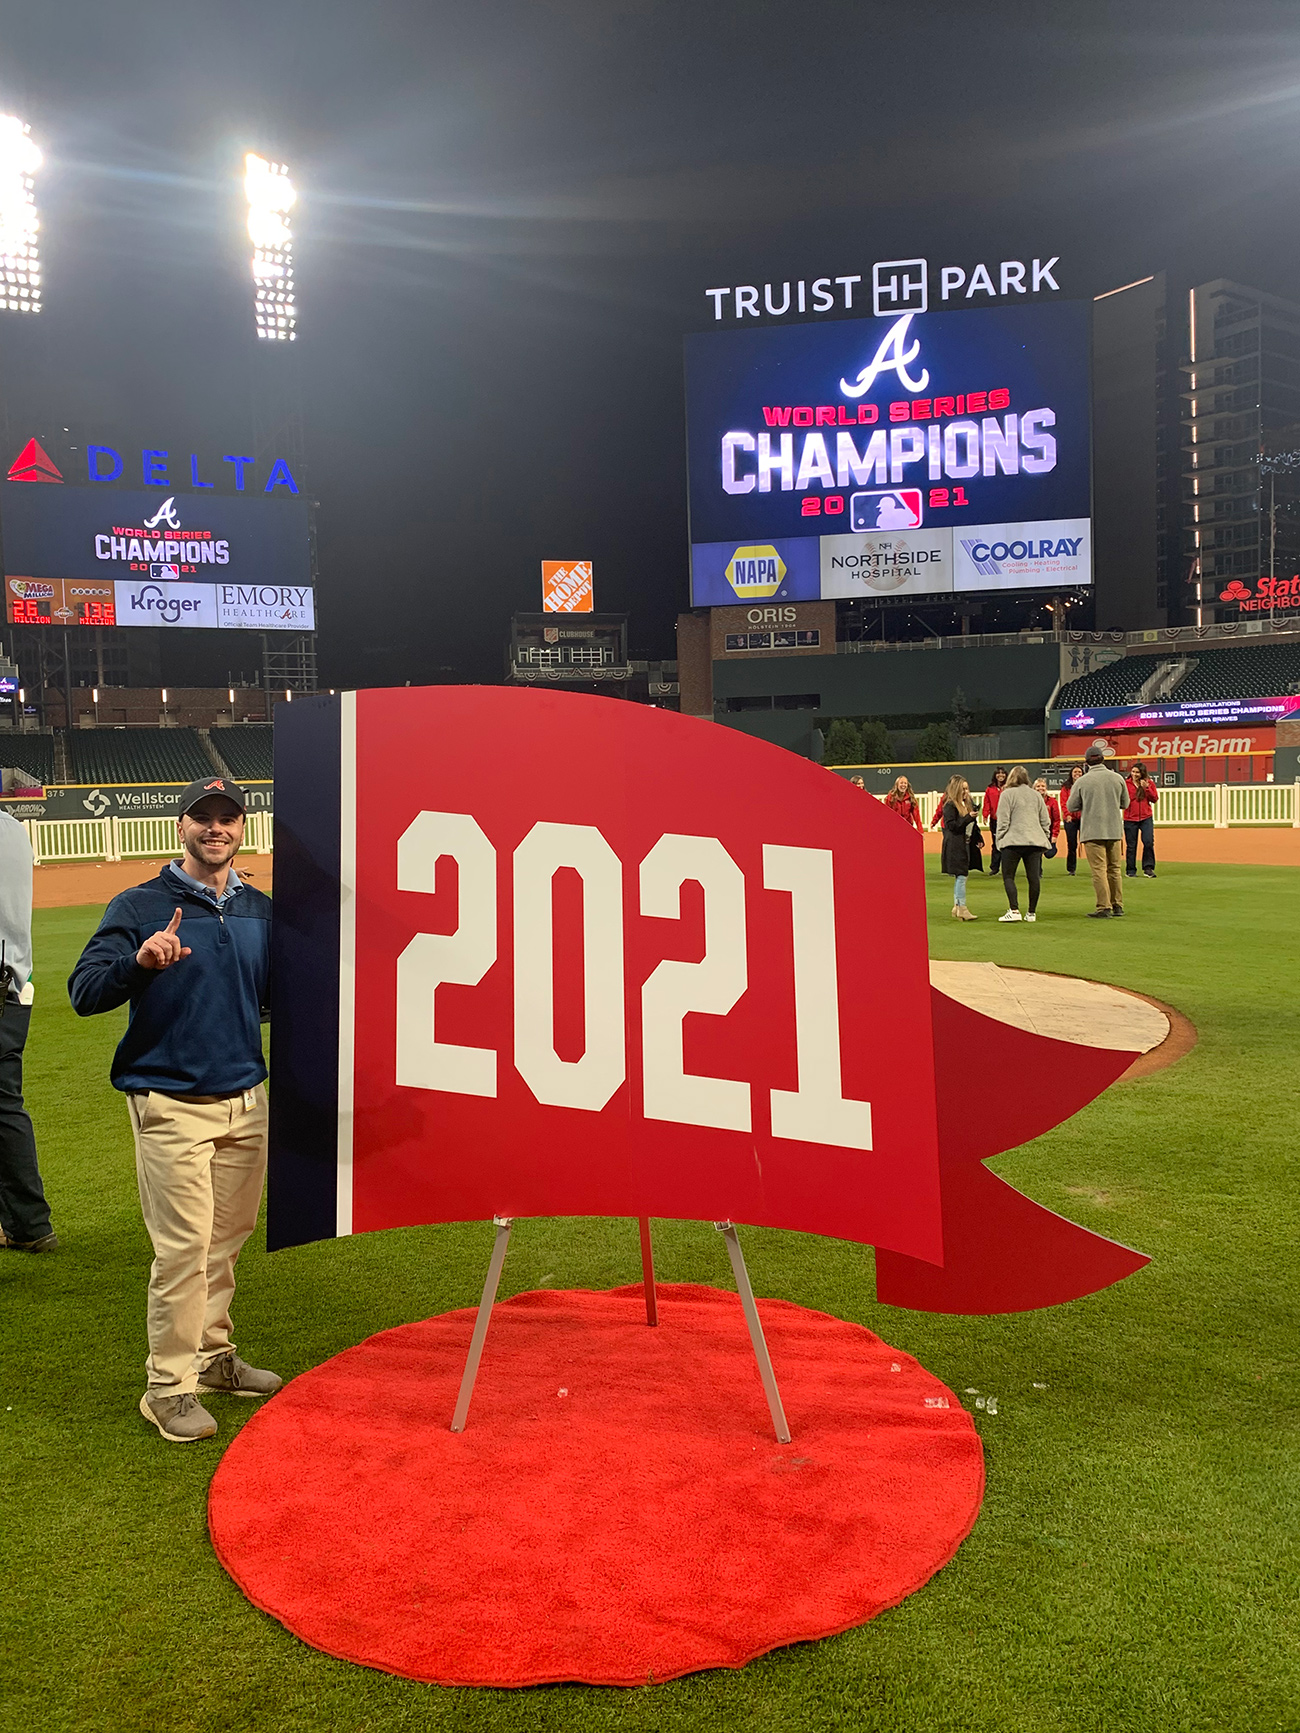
[759,1341]
[648,1272]
[490,1285]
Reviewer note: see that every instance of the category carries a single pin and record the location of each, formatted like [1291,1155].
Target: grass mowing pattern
[1136,1561]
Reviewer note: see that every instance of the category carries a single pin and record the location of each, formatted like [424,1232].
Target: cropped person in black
[962,843]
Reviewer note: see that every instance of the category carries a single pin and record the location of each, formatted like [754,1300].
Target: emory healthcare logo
[755,571]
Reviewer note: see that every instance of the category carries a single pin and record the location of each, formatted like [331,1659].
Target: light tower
[288,659]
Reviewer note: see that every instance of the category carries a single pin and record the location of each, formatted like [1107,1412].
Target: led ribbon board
[578,956]
[935,453]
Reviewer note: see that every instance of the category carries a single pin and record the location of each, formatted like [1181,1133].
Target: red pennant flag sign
[32,464]
[542,954]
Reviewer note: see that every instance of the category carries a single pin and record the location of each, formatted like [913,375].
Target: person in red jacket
[1070,820]
[1053,814]
[989,813]
[901,800]
[1140,822]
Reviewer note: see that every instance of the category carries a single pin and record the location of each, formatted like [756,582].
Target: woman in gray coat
[1024,832]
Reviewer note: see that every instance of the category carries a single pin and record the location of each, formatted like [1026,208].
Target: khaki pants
[200,1166]
[1106,863]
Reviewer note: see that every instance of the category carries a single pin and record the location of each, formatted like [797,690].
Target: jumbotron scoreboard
[195,544]
[935,454]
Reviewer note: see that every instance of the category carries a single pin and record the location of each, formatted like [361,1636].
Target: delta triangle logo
[32,464]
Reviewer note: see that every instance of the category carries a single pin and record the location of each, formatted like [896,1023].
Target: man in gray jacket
[24,1213]
[1099,797]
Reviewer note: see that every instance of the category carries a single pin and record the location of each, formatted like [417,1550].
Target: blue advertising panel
[913,427]
[88,534]
[724,573]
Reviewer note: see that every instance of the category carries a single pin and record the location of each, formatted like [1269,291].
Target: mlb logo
[159,571]
[896,508]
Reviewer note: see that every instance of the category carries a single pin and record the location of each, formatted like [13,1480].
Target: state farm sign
[1268,594]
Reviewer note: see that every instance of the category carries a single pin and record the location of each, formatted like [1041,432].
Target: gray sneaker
[228,1375]
[180,1419]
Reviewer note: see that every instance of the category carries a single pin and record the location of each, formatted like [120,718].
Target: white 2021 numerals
[815,1112]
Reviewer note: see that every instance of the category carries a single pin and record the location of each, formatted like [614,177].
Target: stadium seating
[33,753]
[137,755]
[1263,671]
[1106,687]
[246,750]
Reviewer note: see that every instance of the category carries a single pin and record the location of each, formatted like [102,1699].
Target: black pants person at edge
[1011,857]
[1133,829]
[1071,828]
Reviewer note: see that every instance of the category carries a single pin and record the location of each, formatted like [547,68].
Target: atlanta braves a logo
[166,514]
[891,357]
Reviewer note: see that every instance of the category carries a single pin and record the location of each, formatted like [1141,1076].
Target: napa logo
[755,571]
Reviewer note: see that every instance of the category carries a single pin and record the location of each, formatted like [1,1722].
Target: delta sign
[175,534]
[575,964]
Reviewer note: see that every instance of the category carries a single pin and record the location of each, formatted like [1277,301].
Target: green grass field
[1135,1565]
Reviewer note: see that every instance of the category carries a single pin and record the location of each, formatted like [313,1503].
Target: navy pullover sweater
[195,1028]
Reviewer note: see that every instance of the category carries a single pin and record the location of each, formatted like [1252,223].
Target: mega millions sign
[932,453]
[588,958]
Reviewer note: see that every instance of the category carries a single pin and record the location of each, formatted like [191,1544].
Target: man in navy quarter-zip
[191,953]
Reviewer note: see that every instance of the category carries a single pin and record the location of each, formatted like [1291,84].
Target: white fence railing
[1216,805]
[114,839]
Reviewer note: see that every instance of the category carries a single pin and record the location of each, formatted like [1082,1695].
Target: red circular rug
[617,1510]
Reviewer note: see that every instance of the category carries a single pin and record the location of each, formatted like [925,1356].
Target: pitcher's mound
[617,1510]
[1068,1008]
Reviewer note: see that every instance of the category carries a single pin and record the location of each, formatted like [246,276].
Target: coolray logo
[33,464]
[897,508]
[96,803]
[891,356]
[755,571]
[988,557]
[31,589]
[166,514]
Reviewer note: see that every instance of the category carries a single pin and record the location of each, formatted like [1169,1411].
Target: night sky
[508,215]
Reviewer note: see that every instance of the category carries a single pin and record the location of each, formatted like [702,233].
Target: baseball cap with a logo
[222,785]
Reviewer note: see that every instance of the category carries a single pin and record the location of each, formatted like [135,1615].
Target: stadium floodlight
[271,195]
[20,259]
